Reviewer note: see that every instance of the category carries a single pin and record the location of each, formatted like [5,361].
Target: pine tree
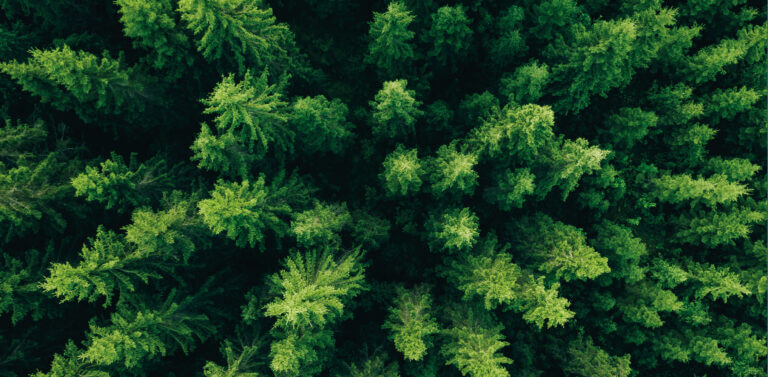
[511,189]
[586,359]
[310,292]
[490,274]
[560,249]
[321,125]
[474,346]
[252,111]
[568,161]
[390,45]
[245,210]
[522,131]
[403,172]
[395,110]
[124,186]
[241,360]
[81,82]
[19,294]
[453,230]
[597,62]
[133,337]
[410,323]
[453,171]
[152,26]
[222,153]
[373,366]
[237,33]
[526,84]
[449,34]
[321,225]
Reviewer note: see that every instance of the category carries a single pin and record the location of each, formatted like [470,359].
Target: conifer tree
[453,171]
[453,230]
[390,45]
[581,189]
[121,185]
[321,225]
[597,62]
[252,111]
[475,345]
[82,82]
[410,323]
[152,25]
[395,110]
[449,34]
[560,249]
[243,211]
[321,125]
[236,33]
[402,171]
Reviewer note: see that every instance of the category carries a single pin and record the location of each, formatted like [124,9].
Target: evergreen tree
[402,171]
[449,34]
[321,125]
[123,186]
[390,45]
[245,210]
[252,111]
[395,110]
[79,81]
[410,322]
[237,33]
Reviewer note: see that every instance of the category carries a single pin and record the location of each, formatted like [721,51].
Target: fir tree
[390,47]
[236,33]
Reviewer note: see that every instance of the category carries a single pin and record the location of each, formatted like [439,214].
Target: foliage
[243,188]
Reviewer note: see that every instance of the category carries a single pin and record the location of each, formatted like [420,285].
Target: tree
[449,34]
[123,186]
[395,110]
[311,290]
[512,188]
[526,84]
[321,225]
[519,130]
[559,248]
[411,325]
[321,125]
[237,33]
[402,172]
[81,82]
[586,359]
[453,230]
[453,171]
[474,346]
[309,295]
[708,191]
[510,42]
[240,360]
[598,61]
[245,210]
[136,336]
[252,111]
[19,295]
[222,153]
[568,161]
[373,366]
[390,47]
[29,193]
[152,26]
[490,274]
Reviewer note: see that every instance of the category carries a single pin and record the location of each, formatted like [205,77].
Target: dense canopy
[416,188]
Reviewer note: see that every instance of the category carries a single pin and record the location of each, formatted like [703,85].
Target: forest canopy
[416,188]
